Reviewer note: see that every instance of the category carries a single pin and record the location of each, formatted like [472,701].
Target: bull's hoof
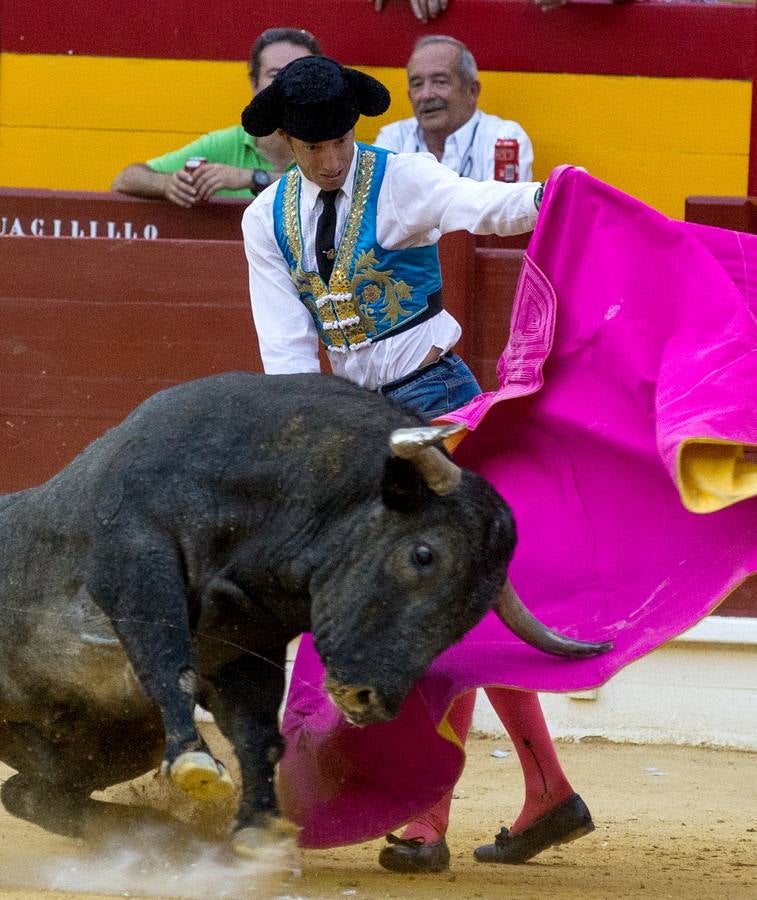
[201,776]
[257,843]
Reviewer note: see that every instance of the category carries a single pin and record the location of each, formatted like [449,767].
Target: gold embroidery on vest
[346,320]
[394,292]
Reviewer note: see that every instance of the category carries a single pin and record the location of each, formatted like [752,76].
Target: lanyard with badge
[466,164]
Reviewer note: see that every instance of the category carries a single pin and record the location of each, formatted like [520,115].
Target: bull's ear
[402,488]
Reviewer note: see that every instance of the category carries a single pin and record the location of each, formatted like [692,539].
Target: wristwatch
[259,180]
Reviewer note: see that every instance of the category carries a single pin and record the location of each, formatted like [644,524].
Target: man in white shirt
[414,203]
[342,250]
[443,87]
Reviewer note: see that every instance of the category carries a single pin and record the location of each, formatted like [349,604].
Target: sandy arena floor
[671,822]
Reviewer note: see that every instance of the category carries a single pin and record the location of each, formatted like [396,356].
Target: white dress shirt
[469,150]
[419,200]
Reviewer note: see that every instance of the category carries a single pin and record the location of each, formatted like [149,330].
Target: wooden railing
[93,327]
[39,213]
[734,213]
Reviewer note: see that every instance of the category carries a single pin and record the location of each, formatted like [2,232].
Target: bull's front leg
[142,591]
[244,698]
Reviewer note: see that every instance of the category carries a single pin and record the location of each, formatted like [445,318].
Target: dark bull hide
[173,560]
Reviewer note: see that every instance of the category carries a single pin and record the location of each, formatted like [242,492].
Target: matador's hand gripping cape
[624,435]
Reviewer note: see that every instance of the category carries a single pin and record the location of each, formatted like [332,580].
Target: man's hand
[139,180]
[213,177]
[422,9]
[178,188]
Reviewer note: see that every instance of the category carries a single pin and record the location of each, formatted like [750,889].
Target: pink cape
[632,335]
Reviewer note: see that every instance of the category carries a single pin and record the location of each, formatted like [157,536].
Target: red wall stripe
[638,38]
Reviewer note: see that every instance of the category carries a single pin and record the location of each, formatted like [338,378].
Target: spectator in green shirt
[238,164]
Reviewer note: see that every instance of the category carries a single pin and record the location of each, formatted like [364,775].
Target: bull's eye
[423,555]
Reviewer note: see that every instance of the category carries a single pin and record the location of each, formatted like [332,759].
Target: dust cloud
[160,860]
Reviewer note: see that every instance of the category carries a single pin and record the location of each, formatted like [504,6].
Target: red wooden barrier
[28,212]
[41,213]
[91,328]
[496,277]
[457,256]
[734,213]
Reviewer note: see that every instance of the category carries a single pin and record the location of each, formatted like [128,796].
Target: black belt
[406,379]
[434,305]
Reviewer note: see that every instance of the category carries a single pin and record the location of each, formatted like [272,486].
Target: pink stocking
[431,826]
[545,782]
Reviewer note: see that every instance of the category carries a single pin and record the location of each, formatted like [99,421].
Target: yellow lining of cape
[712,475]
[446,731]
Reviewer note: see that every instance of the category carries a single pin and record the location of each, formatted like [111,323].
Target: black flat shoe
[566,822]
[414,855]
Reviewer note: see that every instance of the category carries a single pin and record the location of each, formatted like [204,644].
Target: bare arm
[180,187]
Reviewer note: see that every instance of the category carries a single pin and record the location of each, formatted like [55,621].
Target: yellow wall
[73,122]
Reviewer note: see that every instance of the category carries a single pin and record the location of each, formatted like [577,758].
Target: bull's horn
[519,620]
[418,446]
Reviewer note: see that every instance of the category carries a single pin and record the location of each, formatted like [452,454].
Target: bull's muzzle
[360,703]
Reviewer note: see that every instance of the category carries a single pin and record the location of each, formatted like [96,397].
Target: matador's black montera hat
[314,99]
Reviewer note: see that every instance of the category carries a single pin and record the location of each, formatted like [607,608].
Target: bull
[172,561]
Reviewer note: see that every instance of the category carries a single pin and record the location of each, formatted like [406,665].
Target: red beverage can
[506,166]
[194,163]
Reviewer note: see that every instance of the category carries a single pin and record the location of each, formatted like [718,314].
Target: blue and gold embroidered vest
[372,293]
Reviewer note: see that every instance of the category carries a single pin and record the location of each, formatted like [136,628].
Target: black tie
[325,235]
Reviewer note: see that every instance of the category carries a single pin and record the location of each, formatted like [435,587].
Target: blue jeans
[436,389]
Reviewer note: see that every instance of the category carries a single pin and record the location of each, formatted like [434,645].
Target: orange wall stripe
[73,122]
